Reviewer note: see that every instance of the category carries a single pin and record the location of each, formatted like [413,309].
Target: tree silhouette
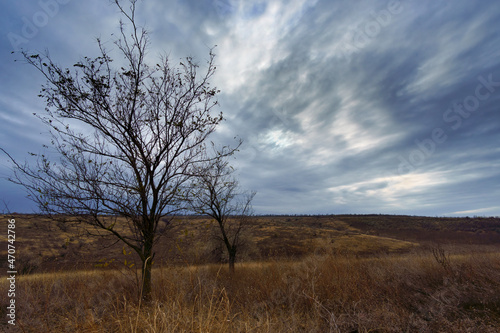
[216,193]
[128,140]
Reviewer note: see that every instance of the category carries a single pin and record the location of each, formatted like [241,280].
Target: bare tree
[217,194]
[127,139]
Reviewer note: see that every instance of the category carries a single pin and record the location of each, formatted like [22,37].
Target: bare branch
[216,193]
[128,139]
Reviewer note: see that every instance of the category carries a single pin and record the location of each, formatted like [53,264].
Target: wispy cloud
[343,106]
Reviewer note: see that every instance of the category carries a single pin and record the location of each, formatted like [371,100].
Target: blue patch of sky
[257,10]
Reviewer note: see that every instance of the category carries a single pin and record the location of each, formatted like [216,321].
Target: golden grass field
[370,273]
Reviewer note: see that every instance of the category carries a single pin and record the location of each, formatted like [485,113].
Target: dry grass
[364,244]
[299,274]
[320,293]
[44,246]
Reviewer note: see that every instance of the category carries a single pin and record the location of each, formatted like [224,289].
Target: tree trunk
[232,260]
[146,281]
[146,271]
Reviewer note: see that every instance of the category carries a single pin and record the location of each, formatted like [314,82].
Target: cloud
[329,96]
[477,211]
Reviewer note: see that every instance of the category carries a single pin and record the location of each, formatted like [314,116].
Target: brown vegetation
[301,274]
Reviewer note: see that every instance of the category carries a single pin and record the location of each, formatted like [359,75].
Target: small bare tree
[216,193]
[128,140]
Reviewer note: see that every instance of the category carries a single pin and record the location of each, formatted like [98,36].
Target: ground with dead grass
[299,274]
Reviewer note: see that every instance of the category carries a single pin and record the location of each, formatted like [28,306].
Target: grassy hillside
[369,273]
[44,245]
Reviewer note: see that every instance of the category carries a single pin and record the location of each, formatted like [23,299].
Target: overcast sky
[344,106]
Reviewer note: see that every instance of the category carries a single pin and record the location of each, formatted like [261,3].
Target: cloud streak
[344,107]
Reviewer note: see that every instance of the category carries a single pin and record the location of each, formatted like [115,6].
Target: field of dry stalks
[329,293]
[420,288]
